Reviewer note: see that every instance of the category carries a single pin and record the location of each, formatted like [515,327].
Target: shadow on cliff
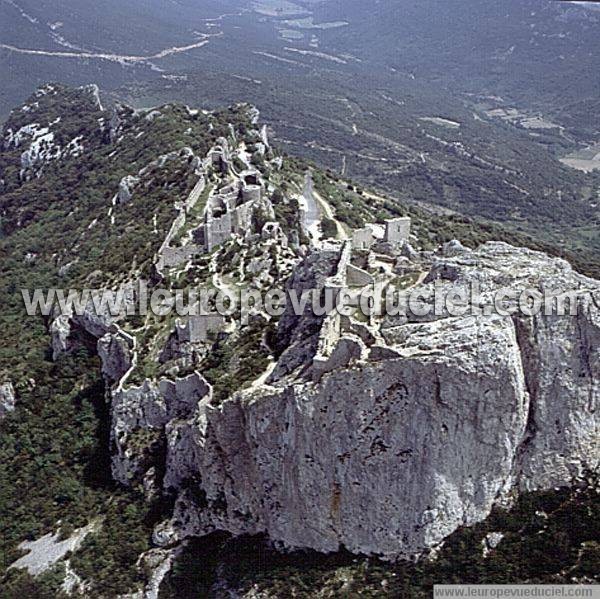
[97,471]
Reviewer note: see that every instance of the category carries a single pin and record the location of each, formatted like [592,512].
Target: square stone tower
[397,230]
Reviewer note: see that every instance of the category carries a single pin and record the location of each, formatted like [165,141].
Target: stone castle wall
[197,329]
[397,230]
[175,257]
[362,239]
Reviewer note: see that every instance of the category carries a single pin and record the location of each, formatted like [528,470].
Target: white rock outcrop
[453,248]
[491,542]
[60,330]
[139,416]
[94,320]
[390,456]
[8,400]
[48,550]
[126,187]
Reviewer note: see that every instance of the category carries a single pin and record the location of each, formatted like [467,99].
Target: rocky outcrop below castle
[139,415]
[431,425]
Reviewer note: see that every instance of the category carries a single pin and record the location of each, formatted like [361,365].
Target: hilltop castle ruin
[395,232]
[229,211]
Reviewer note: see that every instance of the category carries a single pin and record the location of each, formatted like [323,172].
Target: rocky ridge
[392,452]
[395,438]
[380,436]
[233,177]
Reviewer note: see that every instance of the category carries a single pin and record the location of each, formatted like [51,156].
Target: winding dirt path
[120,58]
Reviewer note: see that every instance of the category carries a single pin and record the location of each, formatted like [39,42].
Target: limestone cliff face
[431,422]
[139,415]
[561,358]
[395,451]
[381,458]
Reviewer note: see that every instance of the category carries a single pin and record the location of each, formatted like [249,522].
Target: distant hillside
[466,105]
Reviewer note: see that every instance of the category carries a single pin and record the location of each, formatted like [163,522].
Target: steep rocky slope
[95,219]
[420,433]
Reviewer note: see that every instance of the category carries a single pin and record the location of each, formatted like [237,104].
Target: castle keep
[229,211]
